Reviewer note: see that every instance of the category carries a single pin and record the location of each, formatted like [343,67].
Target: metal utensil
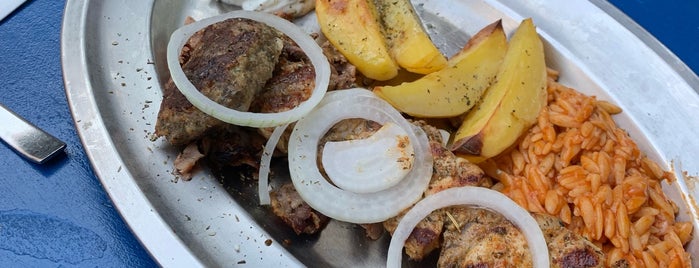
[26,139]
[8,6]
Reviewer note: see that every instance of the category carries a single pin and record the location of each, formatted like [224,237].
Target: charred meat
[566,248]
[288,205]
[239,57]
[232,146]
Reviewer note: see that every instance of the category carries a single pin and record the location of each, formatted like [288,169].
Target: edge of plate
[157,237]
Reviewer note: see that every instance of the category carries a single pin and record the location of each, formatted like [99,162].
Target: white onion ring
[369,165]
[263,177]
[320,64]
[344,205]
[477,196]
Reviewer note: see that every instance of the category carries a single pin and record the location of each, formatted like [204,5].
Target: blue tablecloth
[58,214]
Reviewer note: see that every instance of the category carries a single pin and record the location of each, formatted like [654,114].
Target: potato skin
[512,104]
[407,40]
[456,88]
[354,28]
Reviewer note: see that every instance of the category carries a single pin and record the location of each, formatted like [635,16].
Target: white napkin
[7,6]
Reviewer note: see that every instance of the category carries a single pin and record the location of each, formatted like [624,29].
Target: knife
[26,139]
[8,6]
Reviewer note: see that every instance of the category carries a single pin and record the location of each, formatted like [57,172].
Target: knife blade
[7,6]
[26,139]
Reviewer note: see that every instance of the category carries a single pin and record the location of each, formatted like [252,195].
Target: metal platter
[113,62]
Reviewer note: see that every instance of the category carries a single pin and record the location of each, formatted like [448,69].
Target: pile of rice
[576,164]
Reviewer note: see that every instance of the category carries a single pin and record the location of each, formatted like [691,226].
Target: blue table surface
[58,214]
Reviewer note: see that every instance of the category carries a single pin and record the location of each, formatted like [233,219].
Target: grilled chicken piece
[288,205]
[566,248]
[425,237]
[486,239]
[235,51]
[449,171]
[482,239]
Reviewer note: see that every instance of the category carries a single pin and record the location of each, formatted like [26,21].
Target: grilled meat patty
[239,57]
[292,81]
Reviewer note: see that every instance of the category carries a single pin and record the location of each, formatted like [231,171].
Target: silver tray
[113,64]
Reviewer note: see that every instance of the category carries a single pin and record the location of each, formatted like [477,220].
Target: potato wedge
[511,105]
[353,27]
[457,88]
[407,40]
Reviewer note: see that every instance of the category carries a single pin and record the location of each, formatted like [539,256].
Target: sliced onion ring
[372,164]
[345,205]
[475,196]
[320,64]
[267,152]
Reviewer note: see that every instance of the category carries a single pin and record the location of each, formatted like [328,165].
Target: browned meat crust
[482,239]
[288,205]
[486,239]
[291,84]
[237,61]
[449,171]
[373,231]
[342,73]
[566,248]
[232,146]
[425,237]
[294,80]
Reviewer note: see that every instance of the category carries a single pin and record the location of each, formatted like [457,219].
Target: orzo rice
[575,163]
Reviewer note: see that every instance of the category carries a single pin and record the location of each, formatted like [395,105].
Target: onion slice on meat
[320,64]
[345,205]
[475,196]
[372,164]
[265,164]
